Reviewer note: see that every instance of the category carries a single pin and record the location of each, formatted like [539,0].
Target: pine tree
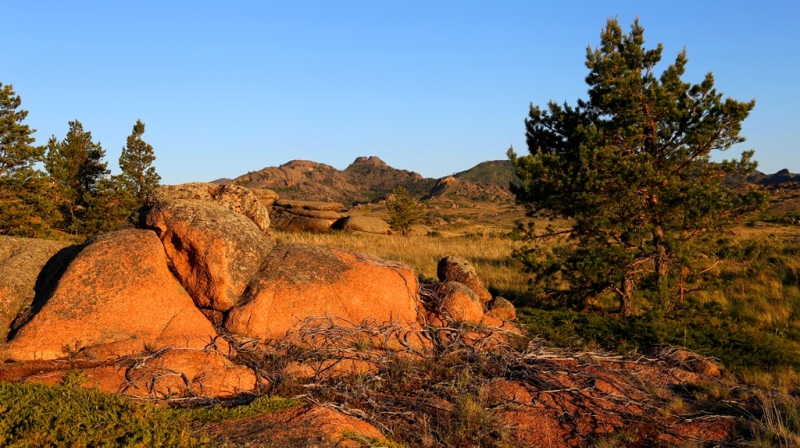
[138,175]
[630,169]
[76,167]
[25,207]
[16,149]
[404,211]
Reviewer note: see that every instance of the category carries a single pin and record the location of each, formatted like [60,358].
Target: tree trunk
[660,260]
[626,298]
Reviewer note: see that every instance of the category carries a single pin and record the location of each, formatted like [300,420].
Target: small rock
[458,269]
[266,196]
[308,425]
[502,308]
[461,303]
[361,223]
[181,373]
[287,221]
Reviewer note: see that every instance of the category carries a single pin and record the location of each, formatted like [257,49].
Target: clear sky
[436,87]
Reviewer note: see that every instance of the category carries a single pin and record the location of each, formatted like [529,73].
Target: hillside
[493,172]
[370,179]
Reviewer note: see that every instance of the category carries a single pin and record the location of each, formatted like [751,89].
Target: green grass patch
[737,346]
[259,406]
[34,415]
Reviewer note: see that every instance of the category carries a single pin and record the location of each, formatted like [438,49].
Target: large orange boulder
[116,297]
[298,281]
[213,251]
[21,260]
[233,197]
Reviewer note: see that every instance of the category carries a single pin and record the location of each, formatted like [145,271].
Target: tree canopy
[630,169]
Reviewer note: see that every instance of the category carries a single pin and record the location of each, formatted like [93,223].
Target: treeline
[65,187]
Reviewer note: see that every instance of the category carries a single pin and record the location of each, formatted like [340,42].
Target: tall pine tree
[25,206]
[630,169]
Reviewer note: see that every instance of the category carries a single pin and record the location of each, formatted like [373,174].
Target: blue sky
[436,87]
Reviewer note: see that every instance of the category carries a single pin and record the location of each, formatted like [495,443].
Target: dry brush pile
[468,385]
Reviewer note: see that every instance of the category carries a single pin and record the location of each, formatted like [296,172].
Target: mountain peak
[371,161]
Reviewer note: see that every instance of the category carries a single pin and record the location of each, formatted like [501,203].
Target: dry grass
[490,255]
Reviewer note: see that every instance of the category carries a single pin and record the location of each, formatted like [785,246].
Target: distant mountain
[776,180]
[377,179]
[784,189]
[370,179]
[486,181]
[367,179]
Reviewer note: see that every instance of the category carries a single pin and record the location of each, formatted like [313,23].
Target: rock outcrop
[233,197]
[21,261]
[212,250]
[305,216]
[266,196]
[166,374]
[439,364]
[298,281]
[117,297]
[361,223]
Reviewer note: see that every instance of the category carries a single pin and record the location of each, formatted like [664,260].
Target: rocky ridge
[369,179]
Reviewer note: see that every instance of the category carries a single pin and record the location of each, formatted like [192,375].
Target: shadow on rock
[46,283]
